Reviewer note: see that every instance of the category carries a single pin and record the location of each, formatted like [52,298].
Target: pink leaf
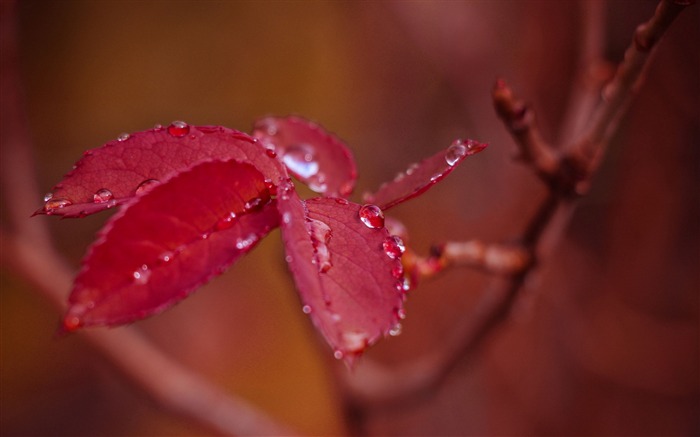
[315,157]
[169,241]
[419,177]
[348,273]
[132,164]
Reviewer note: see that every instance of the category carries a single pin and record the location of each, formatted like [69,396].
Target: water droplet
[399,176]
[48,197]
[317,182]
[306,309]
[338,354]
[102,195]
[285,190]
[123,137]
[288,258]
[56,203]
[271,187]
[455,152]
[354,341]
[271,153]
[178,129]
[393,246]
[166,257]
[142,275]
[158,127]
[400,313]
[397,272]
[146,185]
[341,201]
[320,237]
[286,218]
[396,330]
[300,160]
[372,216]
[245,243]
[253,204]
[226,222]
[406,285]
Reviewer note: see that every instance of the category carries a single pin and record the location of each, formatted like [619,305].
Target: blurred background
[605,339]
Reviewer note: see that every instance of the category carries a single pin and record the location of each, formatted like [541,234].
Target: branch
[375,386]
[26,248]
[583,156]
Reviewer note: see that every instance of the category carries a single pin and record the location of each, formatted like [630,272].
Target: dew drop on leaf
[178,129]
[397,272]
[146,185]
[320,237]
[393,246]
[56,203]
[300,160]
[142,275]
[102,195]
[372,216]
[455,152]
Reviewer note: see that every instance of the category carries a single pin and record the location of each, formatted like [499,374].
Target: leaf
[119,170]
[312,155]
[420,177]
[169,241]
[349,285]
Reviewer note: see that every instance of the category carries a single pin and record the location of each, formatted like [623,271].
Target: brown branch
[373,386]
[26,248]
[583,155]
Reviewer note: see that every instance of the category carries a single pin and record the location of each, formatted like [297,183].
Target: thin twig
[583,155]
[27,250]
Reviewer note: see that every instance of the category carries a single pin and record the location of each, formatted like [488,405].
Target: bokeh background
[604,341]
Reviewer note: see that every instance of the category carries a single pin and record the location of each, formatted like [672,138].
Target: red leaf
[169,241]
[349,275]
[122,168]
[419,177]
[312,155]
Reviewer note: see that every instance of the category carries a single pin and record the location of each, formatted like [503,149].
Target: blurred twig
[566,170]
[27,250]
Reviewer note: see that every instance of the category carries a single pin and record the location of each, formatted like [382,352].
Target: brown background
[606,339]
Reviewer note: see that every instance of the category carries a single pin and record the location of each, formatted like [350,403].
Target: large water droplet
[102,195]
[372,216]
[146,185]
[123,137]
[393,246]
[178,129]
[455,152]
[300,160]
[320,237]
[55,203]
